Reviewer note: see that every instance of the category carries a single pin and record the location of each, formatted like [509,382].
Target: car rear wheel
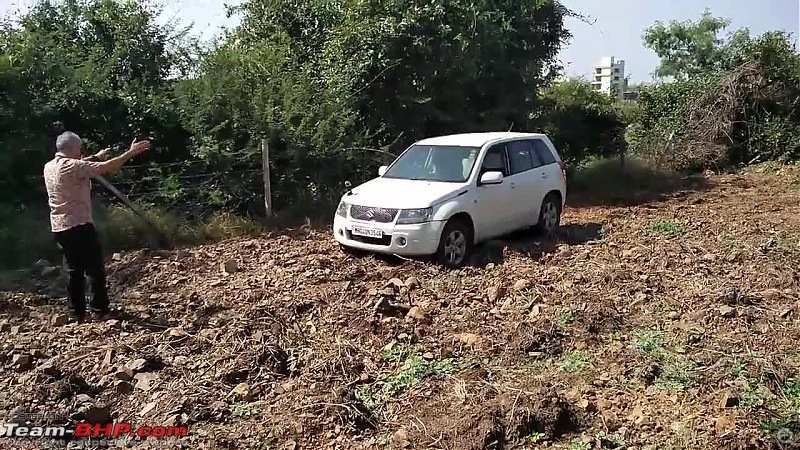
[549,215]
[456,244]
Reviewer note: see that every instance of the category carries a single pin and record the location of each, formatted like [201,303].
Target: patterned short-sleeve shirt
[69,191]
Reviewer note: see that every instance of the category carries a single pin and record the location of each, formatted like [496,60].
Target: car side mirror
[382,170]
[493,177]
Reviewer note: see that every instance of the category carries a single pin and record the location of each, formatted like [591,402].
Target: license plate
[367,232]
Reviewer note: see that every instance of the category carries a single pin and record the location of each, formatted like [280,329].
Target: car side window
[543,152]
[519,155]
[495,160]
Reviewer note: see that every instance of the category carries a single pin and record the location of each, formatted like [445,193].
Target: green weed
[577,444]
[243,410]
[575,362]
[367,396]
[611,440]
[413,372]
[396,353]
[674,378]
[792,393]
[536,437]
[648,341]
[668,227]
[566,318]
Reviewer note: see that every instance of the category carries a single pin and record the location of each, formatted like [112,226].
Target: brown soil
[667,324]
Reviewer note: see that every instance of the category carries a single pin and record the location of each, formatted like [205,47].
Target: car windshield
[446,163]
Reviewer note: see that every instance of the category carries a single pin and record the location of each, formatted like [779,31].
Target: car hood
[402,194]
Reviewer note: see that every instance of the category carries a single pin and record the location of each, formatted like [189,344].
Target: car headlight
[341,210]
[409,216]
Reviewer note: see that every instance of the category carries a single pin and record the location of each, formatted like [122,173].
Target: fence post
[265,169]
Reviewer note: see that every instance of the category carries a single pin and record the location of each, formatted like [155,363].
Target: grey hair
[66,140]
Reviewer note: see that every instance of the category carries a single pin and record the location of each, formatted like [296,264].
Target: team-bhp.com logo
[787,438]
[87,430]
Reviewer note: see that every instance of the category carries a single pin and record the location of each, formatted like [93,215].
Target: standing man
[67,178]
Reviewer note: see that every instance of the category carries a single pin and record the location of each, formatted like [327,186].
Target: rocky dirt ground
[662,324]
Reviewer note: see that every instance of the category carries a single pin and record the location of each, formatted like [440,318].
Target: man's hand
[102,153]
[139,147]
[114,164]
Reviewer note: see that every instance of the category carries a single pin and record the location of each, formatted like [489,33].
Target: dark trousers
[84,256]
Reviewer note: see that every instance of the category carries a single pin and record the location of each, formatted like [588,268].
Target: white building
[609,76]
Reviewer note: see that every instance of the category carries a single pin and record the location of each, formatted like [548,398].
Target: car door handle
[544,174]
[513,186]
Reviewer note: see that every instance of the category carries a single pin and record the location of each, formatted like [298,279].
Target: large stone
[21,362]
[137,365]
[230,266]
[59,320]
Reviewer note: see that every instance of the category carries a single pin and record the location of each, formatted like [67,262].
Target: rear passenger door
[549,171]
[526,195]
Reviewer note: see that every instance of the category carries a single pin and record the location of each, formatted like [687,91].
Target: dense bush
[581,121]
[735,101]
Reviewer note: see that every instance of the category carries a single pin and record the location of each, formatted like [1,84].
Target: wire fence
[232,182]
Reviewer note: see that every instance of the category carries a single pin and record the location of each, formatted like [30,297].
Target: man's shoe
[102,314]
[79,317]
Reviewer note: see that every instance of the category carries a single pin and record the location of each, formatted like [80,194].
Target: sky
[615,28]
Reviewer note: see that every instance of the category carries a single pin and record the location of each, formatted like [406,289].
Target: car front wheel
[456,244]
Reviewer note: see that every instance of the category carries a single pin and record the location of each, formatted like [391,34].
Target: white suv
[445,194]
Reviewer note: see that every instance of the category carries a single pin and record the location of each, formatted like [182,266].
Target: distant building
[609,76]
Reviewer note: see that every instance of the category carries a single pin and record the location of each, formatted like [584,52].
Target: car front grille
[381,215]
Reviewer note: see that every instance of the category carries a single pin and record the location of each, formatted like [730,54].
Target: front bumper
[408,240]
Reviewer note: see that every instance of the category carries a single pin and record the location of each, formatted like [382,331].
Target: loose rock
[144,380]
[230,266]
[495,293]
[521,285]
[241,392]
[59,320]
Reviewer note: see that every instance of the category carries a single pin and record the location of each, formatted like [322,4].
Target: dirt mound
[628,336]
[506,421]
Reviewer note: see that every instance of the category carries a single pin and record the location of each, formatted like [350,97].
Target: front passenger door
[493,212]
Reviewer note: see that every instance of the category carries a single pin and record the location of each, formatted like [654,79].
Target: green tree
[100,68]
[690,48]
[322,77]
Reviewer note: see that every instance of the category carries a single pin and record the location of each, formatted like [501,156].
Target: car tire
[549,215]
[456,244]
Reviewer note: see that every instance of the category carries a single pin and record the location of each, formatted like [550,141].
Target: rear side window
[520,156]
[543,152]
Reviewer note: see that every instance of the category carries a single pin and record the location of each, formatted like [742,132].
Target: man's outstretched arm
[114,164]
[99,156]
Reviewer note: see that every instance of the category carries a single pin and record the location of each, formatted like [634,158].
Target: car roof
[475,139]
